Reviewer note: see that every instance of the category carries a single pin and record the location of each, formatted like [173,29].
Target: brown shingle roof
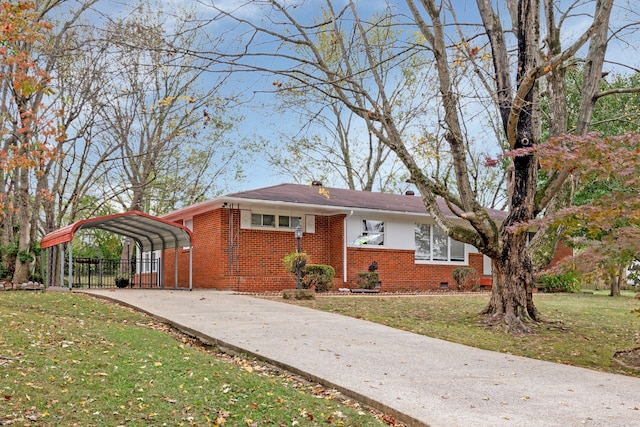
[343,198]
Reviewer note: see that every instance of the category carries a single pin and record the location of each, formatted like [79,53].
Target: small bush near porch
[318,277]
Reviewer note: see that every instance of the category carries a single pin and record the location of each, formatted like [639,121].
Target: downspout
[175,265]
[160,273]
[344,248]
[191,267]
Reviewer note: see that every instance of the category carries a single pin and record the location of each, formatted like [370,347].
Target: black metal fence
[112,273]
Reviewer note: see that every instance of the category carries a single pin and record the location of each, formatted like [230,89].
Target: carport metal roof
[150,232]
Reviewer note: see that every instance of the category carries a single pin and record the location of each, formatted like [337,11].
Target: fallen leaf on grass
[389,420]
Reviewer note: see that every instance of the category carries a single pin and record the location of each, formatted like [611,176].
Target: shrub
[563,282]
[466,278]
[4,273]
[367,280]
[295,259]
[318,276]
[299,294]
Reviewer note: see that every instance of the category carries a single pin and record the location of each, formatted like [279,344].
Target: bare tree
[279,37]
[33,46]
[332,142]
[335,149]
[166,131]
[89,64]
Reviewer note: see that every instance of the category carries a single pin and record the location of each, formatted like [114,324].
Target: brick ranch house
[240,239]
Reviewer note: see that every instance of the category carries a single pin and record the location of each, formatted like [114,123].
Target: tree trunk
[512,294]
[616,278]
[511,303]
[615,286]
[7,240]
[22,273]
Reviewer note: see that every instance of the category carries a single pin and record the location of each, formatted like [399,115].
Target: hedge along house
[241,239]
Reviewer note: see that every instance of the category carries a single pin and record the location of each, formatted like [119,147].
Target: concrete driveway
[420,380]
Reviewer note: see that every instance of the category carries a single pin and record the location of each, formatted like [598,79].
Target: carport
[150,233]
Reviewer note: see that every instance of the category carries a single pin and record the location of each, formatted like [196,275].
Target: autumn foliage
[28,129]
[604,225]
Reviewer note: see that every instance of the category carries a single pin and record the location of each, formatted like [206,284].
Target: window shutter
[310,223]
[245,219]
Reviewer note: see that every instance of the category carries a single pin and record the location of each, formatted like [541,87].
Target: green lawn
[71,360]
[584,329]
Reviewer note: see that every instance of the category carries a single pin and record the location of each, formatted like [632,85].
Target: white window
[372,233]
[433,244]
[263,220]
[189,224]
[284,222]
[147,262]
[289,221]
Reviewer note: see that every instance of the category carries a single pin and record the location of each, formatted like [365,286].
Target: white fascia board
[193,210]
[320,209]
[218,202]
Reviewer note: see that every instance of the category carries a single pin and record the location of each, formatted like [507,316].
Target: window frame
[188,222]
[432,245]
[292,221]
[364,231]
[261,224]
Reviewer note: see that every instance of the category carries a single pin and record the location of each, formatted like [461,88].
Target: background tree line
[102,114]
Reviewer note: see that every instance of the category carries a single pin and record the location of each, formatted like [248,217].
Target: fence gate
[112,273]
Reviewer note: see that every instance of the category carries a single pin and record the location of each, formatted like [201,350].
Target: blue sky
[250,87]
[272,127]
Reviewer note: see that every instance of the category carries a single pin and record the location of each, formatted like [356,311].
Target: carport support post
[175,267]
[141,268]
[70,266]
[61,258]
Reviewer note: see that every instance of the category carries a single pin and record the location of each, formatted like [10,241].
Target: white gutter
[344,248]
[218,202]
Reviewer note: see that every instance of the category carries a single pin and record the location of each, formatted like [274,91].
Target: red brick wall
[146,280]
[398,271]
[256,264]
[336,247]
[261,267]
[562,251]
[257,258]
[209,254]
